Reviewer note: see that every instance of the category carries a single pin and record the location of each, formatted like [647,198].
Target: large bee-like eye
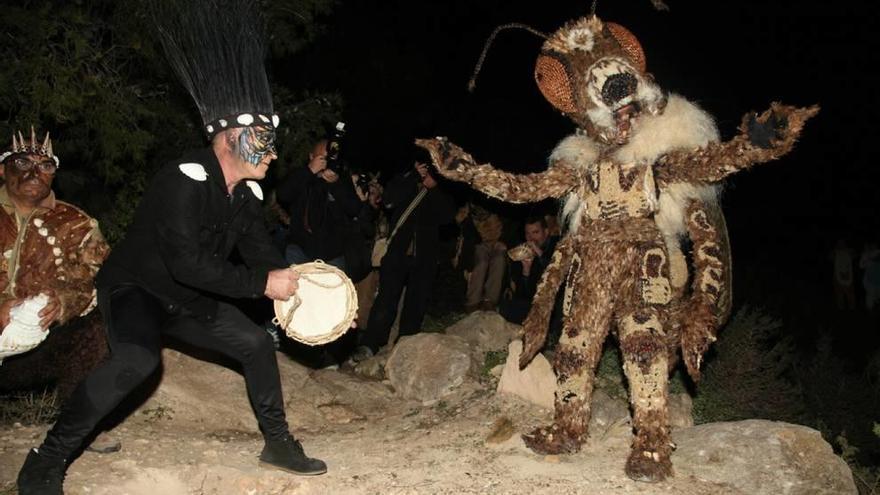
[629,43]
[553,81]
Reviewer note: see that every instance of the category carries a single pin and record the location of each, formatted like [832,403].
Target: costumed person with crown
[51,253]
[634,181]
[165,277]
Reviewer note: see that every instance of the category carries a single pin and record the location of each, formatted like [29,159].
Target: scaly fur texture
[638,176]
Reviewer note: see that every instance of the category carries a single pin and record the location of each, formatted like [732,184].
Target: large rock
[193,390]
[681,411]
[762,457]
[428,366]
[536,383]
[485,331]
[214,396]
[607,412]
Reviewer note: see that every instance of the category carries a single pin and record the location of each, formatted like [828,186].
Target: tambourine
[323,307]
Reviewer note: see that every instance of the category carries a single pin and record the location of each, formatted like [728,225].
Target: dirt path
[399,448]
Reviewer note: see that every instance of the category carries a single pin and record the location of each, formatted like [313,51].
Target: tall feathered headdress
[217,48]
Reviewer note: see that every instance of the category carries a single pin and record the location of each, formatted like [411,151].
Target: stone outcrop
[428,366]
[762,457]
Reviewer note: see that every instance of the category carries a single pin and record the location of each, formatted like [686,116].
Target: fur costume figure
[636,178]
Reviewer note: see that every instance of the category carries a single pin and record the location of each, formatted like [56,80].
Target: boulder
[203,392]
[428,366]
[373,367]
[535,384]
[214,396]
[681,411]
[607,412]
[485,331]
[761,457]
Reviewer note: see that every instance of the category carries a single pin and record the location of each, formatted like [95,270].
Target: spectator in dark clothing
[525,274]
[321,208]
[411,259]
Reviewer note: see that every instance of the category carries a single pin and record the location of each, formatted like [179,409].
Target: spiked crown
[32,147]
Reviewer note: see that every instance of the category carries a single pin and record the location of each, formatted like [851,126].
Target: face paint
[256,142]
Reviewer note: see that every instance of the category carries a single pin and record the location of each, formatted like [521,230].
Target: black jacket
[321,214]
[421,230]
[182,236]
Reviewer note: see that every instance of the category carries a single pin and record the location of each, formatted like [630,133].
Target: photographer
[321,206]
[419,207]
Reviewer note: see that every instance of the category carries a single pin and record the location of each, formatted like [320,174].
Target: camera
[334,143]
[363,183]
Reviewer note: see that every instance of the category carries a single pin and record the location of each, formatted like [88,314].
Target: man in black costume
[164,278]
[411,260]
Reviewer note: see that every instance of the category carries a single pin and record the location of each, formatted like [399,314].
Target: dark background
[403,66]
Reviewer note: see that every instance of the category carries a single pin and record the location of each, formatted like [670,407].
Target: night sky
[402,68]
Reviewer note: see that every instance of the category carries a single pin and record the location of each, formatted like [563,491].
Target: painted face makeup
[254,143]
[26,163]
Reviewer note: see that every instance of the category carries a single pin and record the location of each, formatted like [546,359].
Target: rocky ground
[425,429]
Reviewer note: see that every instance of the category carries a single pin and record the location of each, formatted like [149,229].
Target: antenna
[472,83]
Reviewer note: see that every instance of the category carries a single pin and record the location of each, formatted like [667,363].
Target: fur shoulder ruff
[681,125]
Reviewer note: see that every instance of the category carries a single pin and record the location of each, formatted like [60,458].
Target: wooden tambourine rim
[303,270]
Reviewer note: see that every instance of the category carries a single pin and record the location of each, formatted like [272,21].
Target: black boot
[287,454]
[41,475]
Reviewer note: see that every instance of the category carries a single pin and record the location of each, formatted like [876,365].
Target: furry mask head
[594,73]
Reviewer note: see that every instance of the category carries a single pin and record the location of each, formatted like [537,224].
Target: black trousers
[397,272]
[136,321]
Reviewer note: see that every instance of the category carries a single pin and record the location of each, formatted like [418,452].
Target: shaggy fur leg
[537,322]
[580,347]
[645,362]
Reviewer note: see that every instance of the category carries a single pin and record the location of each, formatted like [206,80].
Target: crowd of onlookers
[389,239]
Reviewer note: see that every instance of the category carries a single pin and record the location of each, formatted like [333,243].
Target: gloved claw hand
[697,334]
[449,159]
[533,340]
[776,124]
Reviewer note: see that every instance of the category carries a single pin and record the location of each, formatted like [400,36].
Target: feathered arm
[454,163]
[762,138]
[537,323]
[708,305]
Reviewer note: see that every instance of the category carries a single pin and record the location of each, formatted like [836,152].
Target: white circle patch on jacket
[194,171]
[255,188]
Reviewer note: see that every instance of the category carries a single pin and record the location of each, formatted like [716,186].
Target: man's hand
[5,308]
[50,313]
[429,182]
[328,175]
[535,248]
[422,169]
[282,284]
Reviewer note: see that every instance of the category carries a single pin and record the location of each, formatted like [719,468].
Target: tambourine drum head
[325,308]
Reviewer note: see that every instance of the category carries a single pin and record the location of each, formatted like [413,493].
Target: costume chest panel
[612,190]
